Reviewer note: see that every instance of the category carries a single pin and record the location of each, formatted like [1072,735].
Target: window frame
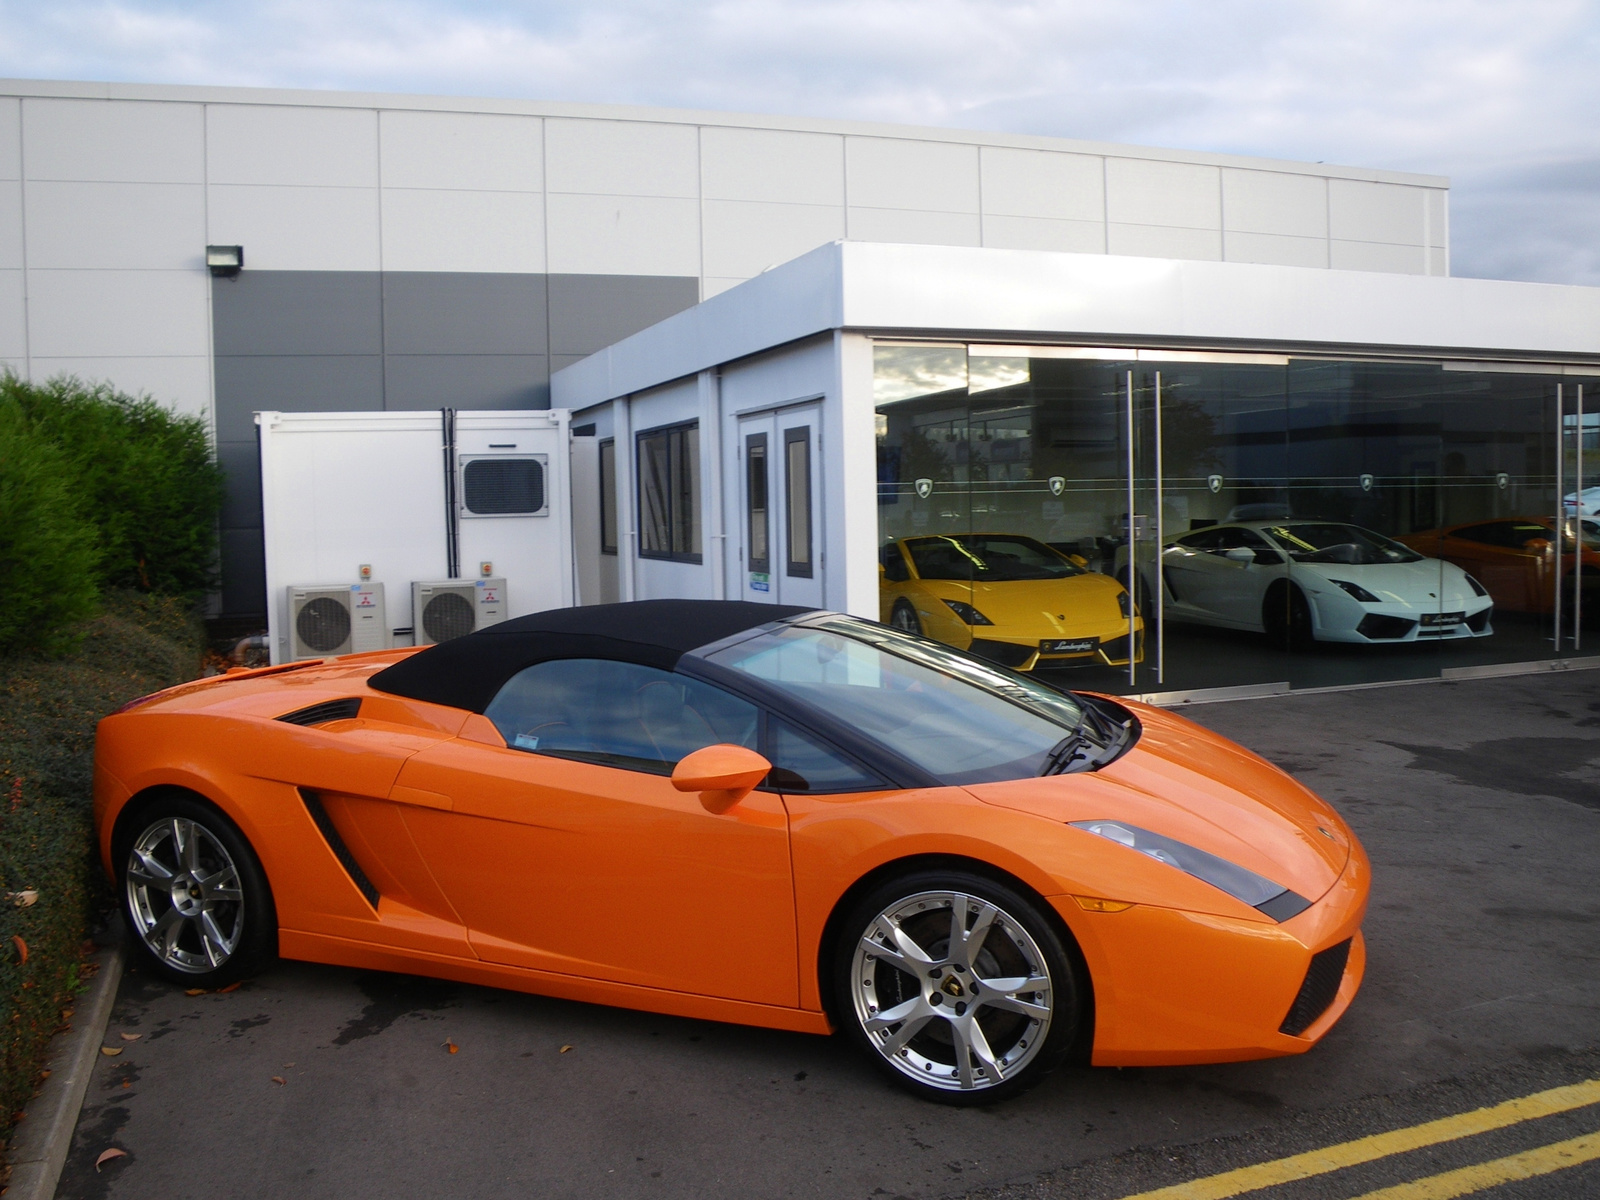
[795,568]
[607,449]
[673,493]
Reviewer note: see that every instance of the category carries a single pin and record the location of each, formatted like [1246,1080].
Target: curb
[39,1150]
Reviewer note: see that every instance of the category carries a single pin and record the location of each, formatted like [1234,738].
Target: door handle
[401,794]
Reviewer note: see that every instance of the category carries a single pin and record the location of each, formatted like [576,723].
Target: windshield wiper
[1083,750]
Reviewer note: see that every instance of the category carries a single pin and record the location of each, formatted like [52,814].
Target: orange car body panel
[566,878]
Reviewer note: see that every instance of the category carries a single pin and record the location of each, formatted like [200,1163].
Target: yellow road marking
[1381,1145]
[1466,1180]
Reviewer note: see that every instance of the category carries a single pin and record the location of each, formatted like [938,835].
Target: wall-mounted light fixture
[225,261]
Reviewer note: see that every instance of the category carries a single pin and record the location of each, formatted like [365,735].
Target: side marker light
[1100,904]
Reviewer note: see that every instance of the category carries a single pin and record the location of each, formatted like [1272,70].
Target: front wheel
[956,986]
[195,895]
[1286,616]
[904,617]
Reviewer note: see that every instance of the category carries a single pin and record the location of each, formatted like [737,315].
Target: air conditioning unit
[449,608]
[337,619]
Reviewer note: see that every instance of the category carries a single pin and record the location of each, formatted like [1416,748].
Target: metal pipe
[1161,591]
[1561,514]
[1577,531]
[1133,565]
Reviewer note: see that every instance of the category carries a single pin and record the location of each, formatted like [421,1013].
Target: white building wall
[109,194]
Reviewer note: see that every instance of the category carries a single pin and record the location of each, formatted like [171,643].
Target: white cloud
[1500,96]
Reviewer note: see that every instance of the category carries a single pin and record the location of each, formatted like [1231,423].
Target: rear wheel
[194,893]
[904,617]
[956,986]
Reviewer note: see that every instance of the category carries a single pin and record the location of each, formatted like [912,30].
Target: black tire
[1026,1033]
[904,617]
[1286,616]
[212,874]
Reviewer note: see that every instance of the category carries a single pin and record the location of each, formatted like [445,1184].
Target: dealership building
[913,333]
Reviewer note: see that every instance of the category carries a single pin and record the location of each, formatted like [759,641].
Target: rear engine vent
[1319,989]
[321,714]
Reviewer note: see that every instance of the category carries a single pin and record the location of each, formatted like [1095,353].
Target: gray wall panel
[297,312]
[241,463]
[466,381]
[293,383]
[244,572]
[589,312]
[426,312]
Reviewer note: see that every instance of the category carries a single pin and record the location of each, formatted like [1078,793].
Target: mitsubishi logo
[952,987]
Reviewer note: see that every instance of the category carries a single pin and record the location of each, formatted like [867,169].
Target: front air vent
[328,710]
[1319,989]
[330,834]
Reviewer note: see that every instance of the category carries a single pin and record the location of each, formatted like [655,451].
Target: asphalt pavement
[1478,801]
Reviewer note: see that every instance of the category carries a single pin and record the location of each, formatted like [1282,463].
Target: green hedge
[139,476]
[49,552]
[48,710]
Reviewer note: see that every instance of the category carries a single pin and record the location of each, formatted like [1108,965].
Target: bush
[49,553]
[48,710]
[146,476]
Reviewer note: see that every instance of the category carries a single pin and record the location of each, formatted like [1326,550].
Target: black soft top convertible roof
[467,672]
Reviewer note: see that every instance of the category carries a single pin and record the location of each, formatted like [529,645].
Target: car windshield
[956,717]
[987,558]
[1329,542]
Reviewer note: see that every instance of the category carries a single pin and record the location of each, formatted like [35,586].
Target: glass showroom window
[669,493]
[1117,458]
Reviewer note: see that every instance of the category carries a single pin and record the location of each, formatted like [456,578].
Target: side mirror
[723,775]
[1240,554]
[1537,545]
[1077,560]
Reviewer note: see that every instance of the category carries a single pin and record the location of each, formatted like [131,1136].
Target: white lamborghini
[1327,581]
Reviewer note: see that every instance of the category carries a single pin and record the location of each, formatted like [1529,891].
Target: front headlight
[1125,603]
[1260,893]
[1477,588]
[967,613]
[1356,590]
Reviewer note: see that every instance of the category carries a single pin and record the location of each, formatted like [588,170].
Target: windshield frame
[899,770]
[1279,532]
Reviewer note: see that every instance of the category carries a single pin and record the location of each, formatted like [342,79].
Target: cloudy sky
[1501,95]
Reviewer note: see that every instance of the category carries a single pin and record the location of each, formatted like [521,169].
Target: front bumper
[1022,653]
[1384,624]
[1173,987]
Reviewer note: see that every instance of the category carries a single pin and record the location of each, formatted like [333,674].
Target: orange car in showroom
[1515,559]
[741,812]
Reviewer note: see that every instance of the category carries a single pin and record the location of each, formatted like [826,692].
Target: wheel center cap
[952,987]
[186,894]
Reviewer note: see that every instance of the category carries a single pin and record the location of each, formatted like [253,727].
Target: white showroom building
[405,253]
[794,350]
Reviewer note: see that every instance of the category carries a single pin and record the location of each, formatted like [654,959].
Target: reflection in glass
[1407,454]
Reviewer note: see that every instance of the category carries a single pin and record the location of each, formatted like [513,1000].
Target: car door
[780,534]
[569,850]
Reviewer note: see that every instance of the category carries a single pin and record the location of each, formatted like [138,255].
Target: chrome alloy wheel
[952,990]
[184,896]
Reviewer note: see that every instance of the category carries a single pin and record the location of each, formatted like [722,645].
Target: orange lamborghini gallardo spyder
[741,812]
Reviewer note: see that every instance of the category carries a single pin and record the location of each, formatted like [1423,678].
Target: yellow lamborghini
[1007,598]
